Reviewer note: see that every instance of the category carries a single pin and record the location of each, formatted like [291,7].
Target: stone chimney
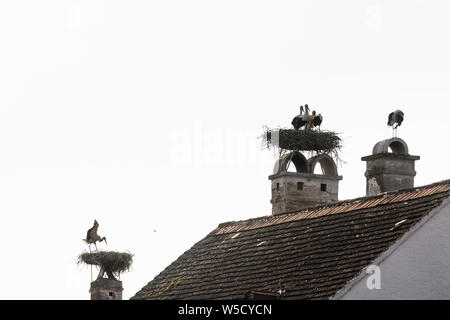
[390,167]
[106,289]
[292,191]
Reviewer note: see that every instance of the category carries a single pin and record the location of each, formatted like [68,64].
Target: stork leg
[96,247]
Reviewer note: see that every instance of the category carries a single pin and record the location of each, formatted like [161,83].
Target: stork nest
[115,262]
[300,140]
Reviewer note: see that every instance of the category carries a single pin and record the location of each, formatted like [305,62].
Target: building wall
[419,268]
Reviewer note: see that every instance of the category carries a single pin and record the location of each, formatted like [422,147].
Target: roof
[308,254]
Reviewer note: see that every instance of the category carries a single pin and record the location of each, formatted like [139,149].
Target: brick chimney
[106,289]
[390,167]
[292,191]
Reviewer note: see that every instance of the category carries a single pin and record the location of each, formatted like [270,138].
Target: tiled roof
[309,254]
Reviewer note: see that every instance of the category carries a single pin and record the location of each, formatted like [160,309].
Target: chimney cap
[397,145]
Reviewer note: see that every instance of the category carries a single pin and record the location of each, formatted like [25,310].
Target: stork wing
[399,119]
[296,122]
[391,119]
[88,236]
[317,121]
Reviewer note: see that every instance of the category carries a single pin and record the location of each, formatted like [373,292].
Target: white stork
[314,121]
[317,120]
[302,119]
[395,119]
[92,237]
[298,120]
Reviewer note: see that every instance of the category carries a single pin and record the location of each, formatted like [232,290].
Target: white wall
[419,268]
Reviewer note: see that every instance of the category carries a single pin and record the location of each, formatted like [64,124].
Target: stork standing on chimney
[395,119]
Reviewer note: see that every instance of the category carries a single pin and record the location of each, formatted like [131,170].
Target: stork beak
[105,240]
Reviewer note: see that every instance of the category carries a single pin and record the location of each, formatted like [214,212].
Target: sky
[145,115]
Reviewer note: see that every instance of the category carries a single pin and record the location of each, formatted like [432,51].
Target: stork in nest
[306,120]
[314,120]
[92,237]
[301,119]
[395,119]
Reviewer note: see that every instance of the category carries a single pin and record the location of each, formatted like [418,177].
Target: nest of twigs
[115,262]
[301,140]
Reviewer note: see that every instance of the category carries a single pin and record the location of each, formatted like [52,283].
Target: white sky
[144,115]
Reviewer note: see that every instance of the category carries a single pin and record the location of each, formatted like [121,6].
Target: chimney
[111,264]
[106,289]
[292,191]
[390,167]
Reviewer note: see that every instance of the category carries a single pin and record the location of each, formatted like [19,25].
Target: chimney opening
[318,169]
[299,185]
[291,167]
[111,294]
[323,187]
[397,147]
[297,163]
[324,164]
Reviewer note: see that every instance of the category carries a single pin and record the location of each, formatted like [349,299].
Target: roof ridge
[335,204]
